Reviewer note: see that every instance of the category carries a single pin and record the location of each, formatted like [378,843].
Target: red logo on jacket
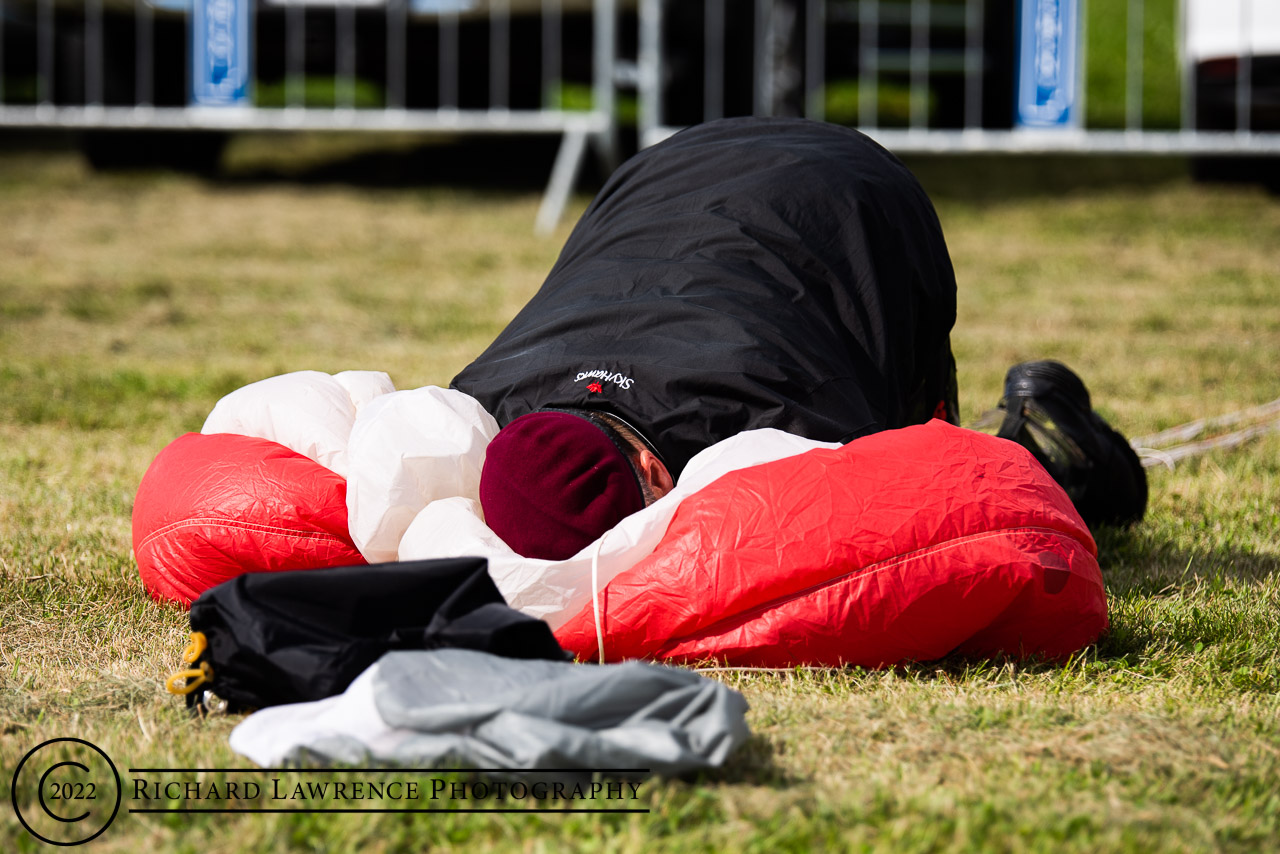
[595,388]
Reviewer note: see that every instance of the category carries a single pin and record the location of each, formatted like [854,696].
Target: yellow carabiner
[195,649]
[192,679]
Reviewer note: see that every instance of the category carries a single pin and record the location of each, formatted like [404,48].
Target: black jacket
[745,273]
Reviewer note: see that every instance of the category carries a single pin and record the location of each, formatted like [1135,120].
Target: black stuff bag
[264,639]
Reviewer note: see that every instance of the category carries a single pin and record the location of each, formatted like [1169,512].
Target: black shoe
[1047,411]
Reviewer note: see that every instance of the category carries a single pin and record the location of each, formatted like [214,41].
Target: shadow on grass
[524,163]
[27,140]
[1210,614]
[506,163]
[992,178]
[483,163]
[1172,608]
[751,765]
[1135,563]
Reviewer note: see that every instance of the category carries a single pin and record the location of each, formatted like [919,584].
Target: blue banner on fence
[221,52]
[1049,64]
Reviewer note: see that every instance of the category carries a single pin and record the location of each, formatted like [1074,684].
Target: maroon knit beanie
[553,482]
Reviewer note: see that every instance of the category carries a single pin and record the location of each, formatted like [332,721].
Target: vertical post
[144,56]
[344,72]
[650,69]
[973,64]
[93,64]
[448,65]
[713,38]
[397,11]
[295,73]
[1188,71]
[499,54]
[815,51]
[1244,71]
[1134,32]
[1081,60]
[604,54]
[44,53]
[551,35]
[1,61]
[563,175]
[764,36]
[868,62]
[919,61]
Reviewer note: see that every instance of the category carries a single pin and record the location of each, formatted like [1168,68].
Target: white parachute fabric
[309,412]
[364,386]
[406,450]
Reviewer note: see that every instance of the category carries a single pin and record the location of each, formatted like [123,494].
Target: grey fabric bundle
[462,708]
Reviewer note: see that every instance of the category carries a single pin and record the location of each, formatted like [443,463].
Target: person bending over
[746,273]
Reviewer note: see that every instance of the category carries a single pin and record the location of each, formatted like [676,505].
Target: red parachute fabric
[212,507]
[905,545]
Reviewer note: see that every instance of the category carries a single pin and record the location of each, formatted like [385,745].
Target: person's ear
[656,473]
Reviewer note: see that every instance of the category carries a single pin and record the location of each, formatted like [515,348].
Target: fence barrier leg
[564,174]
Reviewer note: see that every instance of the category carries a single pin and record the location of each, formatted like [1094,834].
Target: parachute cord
[1156,449]
[1266,413]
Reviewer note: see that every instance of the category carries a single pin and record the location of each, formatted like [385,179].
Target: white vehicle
[1233,50]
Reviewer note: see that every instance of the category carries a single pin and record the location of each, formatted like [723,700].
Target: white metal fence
[951,66]
[919,75]
[434,66]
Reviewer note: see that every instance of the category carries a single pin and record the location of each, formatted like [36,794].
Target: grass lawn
[130,303]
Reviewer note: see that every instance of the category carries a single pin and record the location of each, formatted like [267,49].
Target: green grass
[130,303]
[1106,52]
[314,91]
[841,99]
